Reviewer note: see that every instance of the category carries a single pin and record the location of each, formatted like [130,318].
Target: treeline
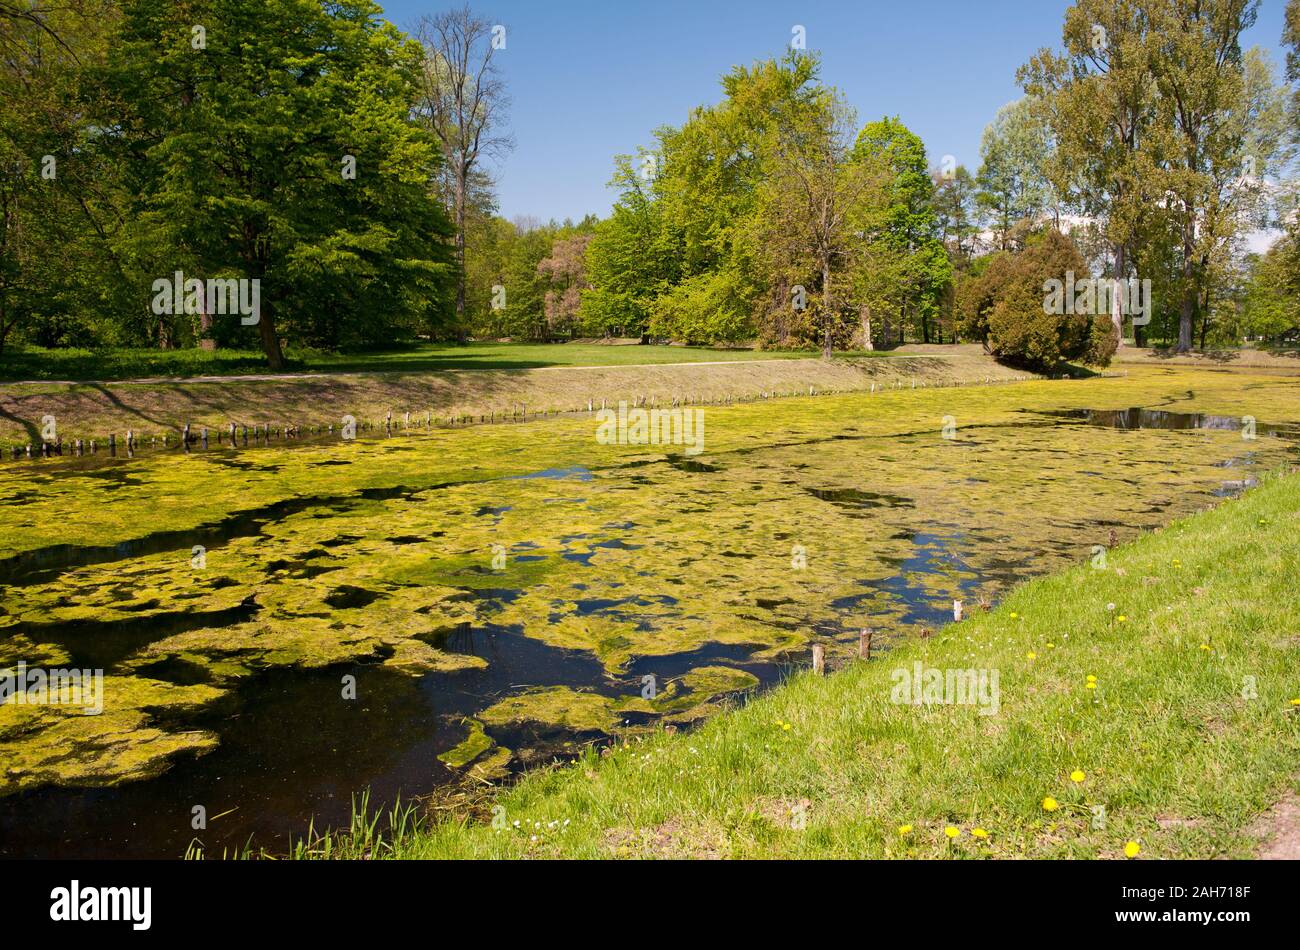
[1151,139]
[339,163]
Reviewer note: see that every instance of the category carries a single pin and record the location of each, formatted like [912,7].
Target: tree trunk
[1116,315]
[827,347]
[864,315]
[1205,318]
[462,186]
[1187,306]
[1186,313]
[270,339]
[205,328]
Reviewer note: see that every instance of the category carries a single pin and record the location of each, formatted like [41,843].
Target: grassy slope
[31,363]
[1169,741]
[93,410]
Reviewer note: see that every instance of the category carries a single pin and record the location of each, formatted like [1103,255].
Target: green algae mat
[281,627]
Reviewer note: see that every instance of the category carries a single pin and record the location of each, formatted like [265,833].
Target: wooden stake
[864,643]
[819,659]
[956,611]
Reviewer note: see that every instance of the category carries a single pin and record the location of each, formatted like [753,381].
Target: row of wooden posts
[133,442]
[865,639]
[234,433]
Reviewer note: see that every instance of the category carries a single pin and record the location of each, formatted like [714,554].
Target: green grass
[36,363]
[1191,731]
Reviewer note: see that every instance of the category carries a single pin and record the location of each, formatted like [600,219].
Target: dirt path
[1280,829]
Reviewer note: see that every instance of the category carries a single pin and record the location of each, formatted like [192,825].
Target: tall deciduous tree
[565,270]
[1012,178]
[807,204]
[463,100]
[271,140]
[901,228]
[956,213]
[1199,73]
[1098,98]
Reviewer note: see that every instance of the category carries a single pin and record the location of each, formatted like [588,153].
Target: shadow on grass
[39,364]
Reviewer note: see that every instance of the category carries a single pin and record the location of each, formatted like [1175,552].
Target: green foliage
[1160,124]
[1014,153]
[677,255]
[912,268]
[633,257]
[709,307]
[238,153]
[1271,306]
[1004,307]
[510,270]
[757,201]
[60,200]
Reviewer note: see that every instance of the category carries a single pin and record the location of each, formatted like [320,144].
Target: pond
[280,629]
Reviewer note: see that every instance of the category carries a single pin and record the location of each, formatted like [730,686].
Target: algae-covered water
[280,628]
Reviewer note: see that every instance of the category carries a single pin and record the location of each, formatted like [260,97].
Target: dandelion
[1014,615]
[1110,606]
[904,829]
[979,833]
[1296,701]
[1092,685]
[1031,655]
[1051,646]
[1131,849]
[786,727]
[1076,776]
[1121,618]
[1050,804]
[952,832]
[1206,647]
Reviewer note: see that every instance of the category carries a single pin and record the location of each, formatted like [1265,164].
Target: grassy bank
[1280,362]
[1153,703]
[93,410]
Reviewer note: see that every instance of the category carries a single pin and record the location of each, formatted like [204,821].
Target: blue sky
[592,78]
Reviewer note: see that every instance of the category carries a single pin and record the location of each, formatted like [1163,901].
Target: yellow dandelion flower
[1014,615]
[1031,655]
[979,833]
[1092,678]
[1131,849]
[786,726]
[1121,618]
[952,832]
[1091,685]
[904,829]
[1050,804]
[1296,701]
[1076,776]
[1051,646]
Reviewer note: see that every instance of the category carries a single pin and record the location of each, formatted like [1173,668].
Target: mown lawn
[1150,706]
[35,363]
